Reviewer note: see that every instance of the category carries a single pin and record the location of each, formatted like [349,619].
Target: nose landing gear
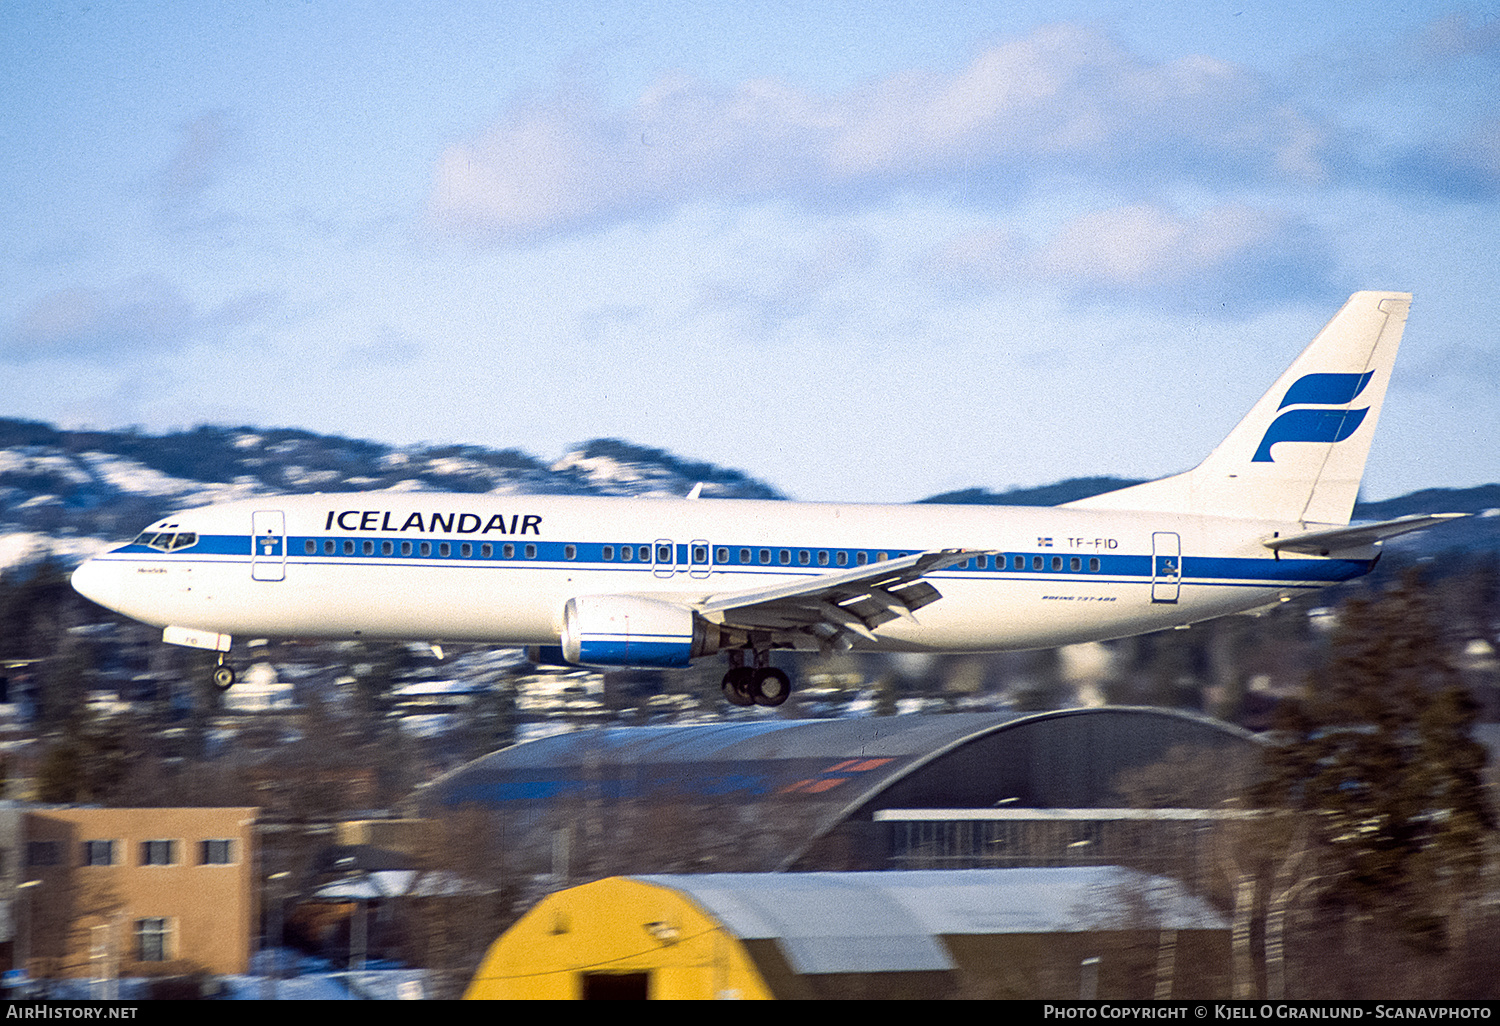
[223,676]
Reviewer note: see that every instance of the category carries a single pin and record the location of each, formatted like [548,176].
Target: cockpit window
[167,541]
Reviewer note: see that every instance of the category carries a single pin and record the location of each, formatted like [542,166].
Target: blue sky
[865,252]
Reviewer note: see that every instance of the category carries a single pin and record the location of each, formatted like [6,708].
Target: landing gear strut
[223,676]
[761,684]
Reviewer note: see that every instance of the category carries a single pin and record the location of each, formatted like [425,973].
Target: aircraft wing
[1339,539]
[834,605]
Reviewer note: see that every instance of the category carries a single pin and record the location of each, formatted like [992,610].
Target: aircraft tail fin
[1300,452]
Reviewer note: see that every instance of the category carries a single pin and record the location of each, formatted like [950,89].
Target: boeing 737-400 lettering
[621,582]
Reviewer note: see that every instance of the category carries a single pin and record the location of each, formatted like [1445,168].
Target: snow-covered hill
[68,493]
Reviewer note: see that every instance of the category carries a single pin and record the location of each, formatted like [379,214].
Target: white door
[268,545]
[1166,566]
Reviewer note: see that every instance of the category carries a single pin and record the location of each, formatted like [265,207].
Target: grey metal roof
[838,771]
[892,921]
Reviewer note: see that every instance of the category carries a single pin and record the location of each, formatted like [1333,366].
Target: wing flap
[846,602]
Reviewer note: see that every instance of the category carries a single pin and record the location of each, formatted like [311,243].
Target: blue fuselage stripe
[772,560]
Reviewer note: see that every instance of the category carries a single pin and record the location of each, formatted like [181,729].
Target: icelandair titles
[432,523]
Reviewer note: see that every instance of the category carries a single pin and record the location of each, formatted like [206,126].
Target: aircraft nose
[95,581]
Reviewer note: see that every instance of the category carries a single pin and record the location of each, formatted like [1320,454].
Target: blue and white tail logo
[1315,425]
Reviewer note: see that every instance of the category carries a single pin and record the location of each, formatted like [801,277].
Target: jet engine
[624,630]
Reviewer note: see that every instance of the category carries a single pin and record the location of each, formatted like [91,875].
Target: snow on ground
[134,477]
[22,547]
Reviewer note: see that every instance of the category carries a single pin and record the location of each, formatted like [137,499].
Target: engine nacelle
[623,630]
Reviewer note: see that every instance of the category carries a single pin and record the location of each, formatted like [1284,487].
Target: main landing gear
[223,676]
[761,684]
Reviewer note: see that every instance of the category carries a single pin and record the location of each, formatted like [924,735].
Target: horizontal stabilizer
[1342,539]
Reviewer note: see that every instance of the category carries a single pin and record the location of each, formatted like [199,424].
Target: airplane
[659,582]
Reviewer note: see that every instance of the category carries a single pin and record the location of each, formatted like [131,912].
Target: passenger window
[744,557]
[627,553]
[311,548]
[700,553]
[486,551]
[822,558]
[1075,564]
[406,548]
[786,557]
[1094,565]
[1056,562]
[608,553]
[509,552]
[530,551]
[369,548]
[387,548]
[765,556]
[466,549]
[804,557]
[842,558]
[862,558]
[330,547]
[349,548]
[427,548]
[645,554]
[570,552]
[445,549]
[1036,562]
[721,555]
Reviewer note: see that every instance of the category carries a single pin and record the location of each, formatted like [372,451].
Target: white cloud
[1227,256]
[1063,99]
[140,317]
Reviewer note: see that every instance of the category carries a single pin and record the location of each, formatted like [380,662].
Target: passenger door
[268,545]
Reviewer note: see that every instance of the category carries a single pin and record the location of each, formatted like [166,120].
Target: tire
[771,687]
[223,676]
[737,686]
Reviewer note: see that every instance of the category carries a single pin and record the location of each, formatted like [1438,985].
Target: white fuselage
[500,569]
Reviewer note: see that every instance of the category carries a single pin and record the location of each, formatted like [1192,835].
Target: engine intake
[623,630]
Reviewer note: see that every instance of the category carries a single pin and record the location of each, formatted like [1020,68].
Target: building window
[98,853]
[42,853]
[153,940]
[217,852]
[158,853]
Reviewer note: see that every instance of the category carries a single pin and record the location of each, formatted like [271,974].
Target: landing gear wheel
[223,676]
[737,685]
[770,686]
